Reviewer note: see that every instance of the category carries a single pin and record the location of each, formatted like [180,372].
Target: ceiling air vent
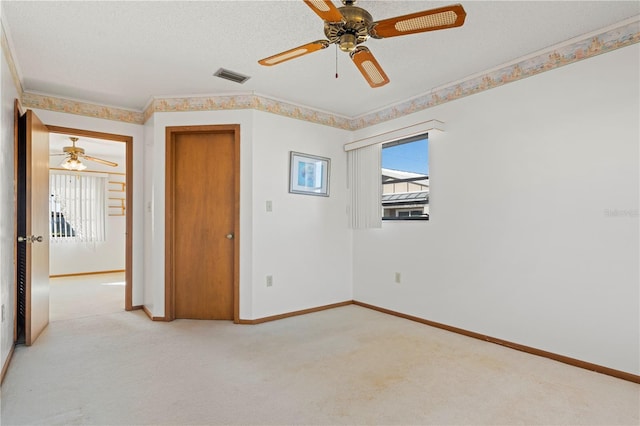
[231,75]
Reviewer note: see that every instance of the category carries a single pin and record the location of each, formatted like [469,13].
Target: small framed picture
[309,174]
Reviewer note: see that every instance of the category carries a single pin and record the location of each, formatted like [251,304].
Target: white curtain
[81,200]
[365,187]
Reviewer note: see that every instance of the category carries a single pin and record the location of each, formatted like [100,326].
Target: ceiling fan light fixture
[72,163]
[348,42]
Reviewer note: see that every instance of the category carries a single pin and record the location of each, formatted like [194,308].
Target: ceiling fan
[74,153]
[349,25]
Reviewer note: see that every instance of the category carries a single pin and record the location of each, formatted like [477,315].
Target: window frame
[407,206]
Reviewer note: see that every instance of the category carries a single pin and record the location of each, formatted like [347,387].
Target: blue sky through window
[408,157]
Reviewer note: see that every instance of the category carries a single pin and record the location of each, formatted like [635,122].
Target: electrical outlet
[398,277]
[3,312]
[269,206]
[269,280]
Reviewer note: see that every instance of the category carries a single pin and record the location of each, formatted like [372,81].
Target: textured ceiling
[123,53]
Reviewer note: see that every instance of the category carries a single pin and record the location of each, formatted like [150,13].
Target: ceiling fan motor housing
[73,149]
[352,31]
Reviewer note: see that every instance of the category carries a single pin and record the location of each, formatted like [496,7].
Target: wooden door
[33,225]
[203,173]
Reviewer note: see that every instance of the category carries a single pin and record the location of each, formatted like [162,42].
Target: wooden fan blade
[296,52]
[369,67]
[428,20]
[325,10]
[100,160]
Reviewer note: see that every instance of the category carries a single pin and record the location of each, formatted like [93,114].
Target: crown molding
[7,51]
[614,37]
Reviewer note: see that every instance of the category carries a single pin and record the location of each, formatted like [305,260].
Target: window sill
[402,219]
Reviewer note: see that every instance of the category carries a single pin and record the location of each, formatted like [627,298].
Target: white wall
[534,230]
[304,243]
[69,257]
[136,131]
[8,93]
[149,226]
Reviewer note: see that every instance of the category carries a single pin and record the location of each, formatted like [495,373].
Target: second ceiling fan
[349,26]
[73,155]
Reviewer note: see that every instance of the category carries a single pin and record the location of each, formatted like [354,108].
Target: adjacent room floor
[86,295]
[347,365]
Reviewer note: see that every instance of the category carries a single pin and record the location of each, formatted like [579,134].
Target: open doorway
[90,275]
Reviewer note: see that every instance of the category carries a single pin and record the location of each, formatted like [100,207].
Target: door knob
[30,239]
[229,236]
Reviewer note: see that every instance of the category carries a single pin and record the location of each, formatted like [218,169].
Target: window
[78,207]
[409,213]
[60,228]
[405,179]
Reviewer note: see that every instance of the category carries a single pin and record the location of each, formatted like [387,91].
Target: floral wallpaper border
[616,38]
[247,101]
[626,34]
[51,103]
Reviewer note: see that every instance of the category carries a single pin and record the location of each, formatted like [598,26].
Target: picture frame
[309,174]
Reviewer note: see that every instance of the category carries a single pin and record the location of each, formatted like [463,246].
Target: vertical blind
[365,187]
[78,205]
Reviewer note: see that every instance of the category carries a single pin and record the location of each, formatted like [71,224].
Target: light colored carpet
[348,365]
[86,295]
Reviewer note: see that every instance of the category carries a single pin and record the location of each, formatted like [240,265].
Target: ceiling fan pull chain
[336,61]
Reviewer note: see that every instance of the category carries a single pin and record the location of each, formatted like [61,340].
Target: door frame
[18,110]
[128,140]
[169,278]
